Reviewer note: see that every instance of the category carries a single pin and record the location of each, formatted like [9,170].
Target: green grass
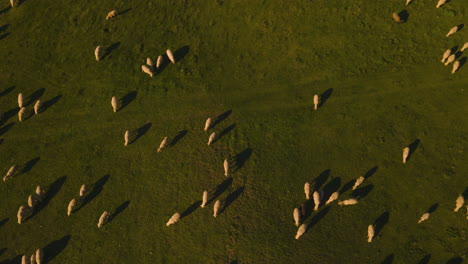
[264,60]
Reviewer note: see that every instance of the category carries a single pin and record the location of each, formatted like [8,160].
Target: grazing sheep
[98,53]
[405,154]
[114,103]
[170,56]
[459,203]
[25,260]
[147,70]
[150,63]
[111,14]
[216,208]
[39,256]
[226,167]
[316,101]
[447,53]
[441,3]
[302,229]
[208,124]
[174,219]
[126,137]
[456,66]
[408,2]
[22,212]
[159,62]
[163,144]
[333,197]
[211,138]
[204,199]
[316,200]
[424,217]
[103,219]
[71,206]
[348,202]
[32,201]
[450,59]
[307,190]
[370,233]
[358,182]
[452,31]
[465,46]
[397,18]
[83,190]
[33,259]
[296,215]
[37,107]
[21,113]
[14,3]
[39,191]
[11,172]
[20,100]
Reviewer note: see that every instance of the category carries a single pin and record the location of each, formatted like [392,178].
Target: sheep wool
[174,219]
[397,18]
[170,56]
[39,256]
[21,113]
[226,167]
[456,66]
[23,210]
[447,53]
[83,190]
[32,202]
[147,70]
[11,172]
[39,191]
[452,31]
[150,63]
[159,62]
[459,203]
[216,208]
[405,154]
[20,100]
[316,102]
[441,3]
[71,206]
[25,260]
[296,215]
[14,3]
[370,233]
[98,53]
[114,103]
[301,230]
[163,144]
[424,217]
[204,199]
[126,137]
[211,138]
[207,124]
[103,219]
[465,46]
[316,200]
[348,202]
[33,259]
[37,107]
[450,59]
[408,2]
[358,182]
[111,14]
[307,190]
[333,197]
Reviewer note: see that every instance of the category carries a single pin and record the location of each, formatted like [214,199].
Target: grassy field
[257,64]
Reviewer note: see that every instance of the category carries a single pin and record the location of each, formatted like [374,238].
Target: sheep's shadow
[433,208]
[1,140]
[219,190]
[181,53]
[318,217]
[412,148]
[388,259]
[140,132]
[127,99]
[191,209]
[51,192]
[454,49]
[4,36]
[425,259]
[224,132]
[47,104]
[331,187]
[371,172]
[241,158]
[2,250]
[9,114]
[5,10]
[118,211]
[28,166]
[462,62]
[178,137]
[96,190]
[35,96]
[461,26]
[124,11]
[231,198]
[455,260]
[110,49]
[220,118]
[380,223]
[325,96]
[7,91]
[465,193]
[321,179]
[404,15]
[362,192]
[14,260]
[4,27]
[54,248]
[5,128]
[4,221]
[347,186]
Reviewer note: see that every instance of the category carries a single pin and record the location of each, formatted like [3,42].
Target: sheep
[111,14]
[424,217]
[216,208]
[316,101]
[22,212]
[39,256]
[174,219]
[147,70]
[408,2]
[14,3]
[20,100]
[33,259]
[150,63]
[333,197]
[226,167]
[370,233]
[32,201]
[358,182]
[159,62]
[307,190]
[37,107]
[397,18]
[456,66]
[39,191]
[126,137]
[204,199]
[447,53]
[302,229]
[170,56]
[163,144]
[208,124]
[98,53]
[405,154]
[296,215]
[83,190]
[459,203]
[114,103]
[316,200]
[348,202]
[25,260]
[71,206]
[452,31]
[441,3]
[103,219]
[450,59]
[465,46]
[211,138]
[21,113]
[11,172]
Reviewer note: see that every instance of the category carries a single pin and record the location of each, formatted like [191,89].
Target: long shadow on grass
[362,192]
[9,114]
[4,27]
[7,90]
[127,99]
[190,209]
[455,260]
[1,140]
[331,187]
[318,217]
[425,259]
[371,172]
[5,128]
[325,95]
[224,132]
[54,248]
[219,190]
[4,221]
[178,137]
[4,36]
[433,208]
[124,11]
[381,222]
[321,179]
[241,158]
[2,250]
[141,131]
[5,10]
[47,104]
[15,260]
[404,15]
[28,166]
[35,96]
[50,193]
[96,190]
[181,53]
[221,118]
[119,210]
[465,193]
[413,146]
[462,62]
[388,259]
[231,198]
[110,49]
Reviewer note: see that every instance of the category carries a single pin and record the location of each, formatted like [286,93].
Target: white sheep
[22,212]
[316,200]
[452,31]
[71,206]
[37,107]
[456,66]
[39,255]
[98,53]
[358,182]
[441,3]
[301,230]
[20,100]
[226,167]
[159,62]
[21,113]
[446,54]
[370,233]
[408,2]
[465,46]
[126,137]
[348,202]
[11,172]
[316,101]
[111,14]
[33,259]
[39,191]
[405,154]
[216,206]
[174,219]
[114,103]
[147,70]
[211,138]
[333,197]
[307,190]
[424,217]
[32,201]
[204,199]
[296,215]
[450,59]
[103,219]
[170,56]
[150,63]
[208,124]
[14,3]
[25,260]
[163,144]
[83,190]
[459,203]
